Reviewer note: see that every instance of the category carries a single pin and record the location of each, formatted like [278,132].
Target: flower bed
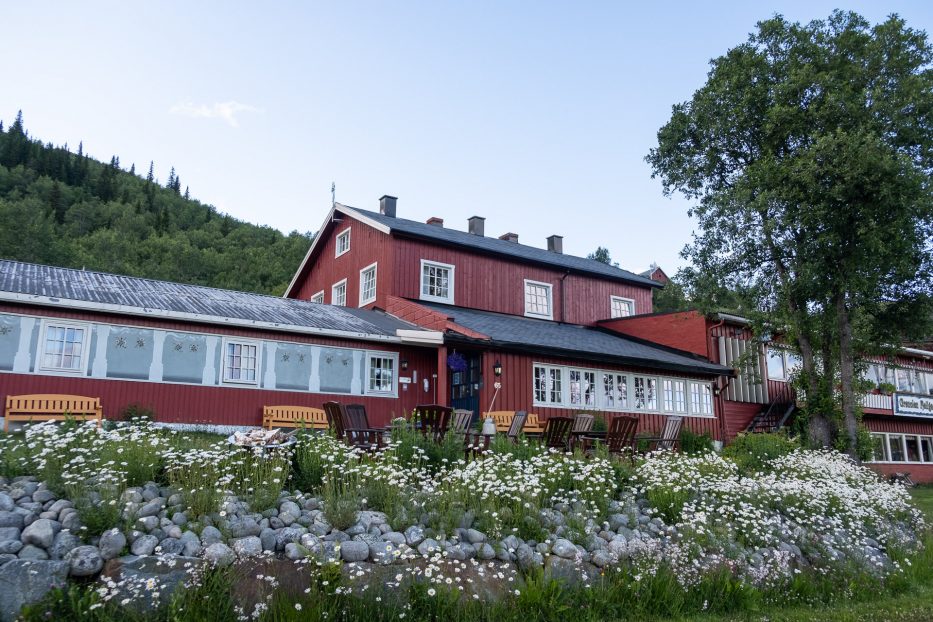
[150,513]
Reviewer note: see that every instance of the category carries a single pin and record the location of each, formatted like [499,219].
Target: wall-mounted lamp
[404,364]
[497,368]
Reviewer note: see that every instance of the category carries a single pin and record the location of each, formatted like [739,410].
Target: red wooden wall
[685,330]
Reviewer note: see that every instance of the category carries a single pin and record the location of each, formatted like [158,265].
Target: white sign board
[914,405]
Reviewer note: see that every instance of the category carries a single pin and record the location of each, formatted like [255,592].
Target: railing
[878,400]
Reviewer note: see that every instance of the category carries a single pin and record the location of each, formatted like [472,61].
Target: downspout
[562,297]
[722,389]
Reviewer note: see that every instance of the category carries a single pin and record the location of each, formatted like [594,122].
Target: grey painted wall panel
[10,331]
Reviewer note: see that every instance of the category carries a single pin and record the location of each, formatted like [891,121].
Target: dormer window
[437,281]
[538,300]
[343,242]
[621,307]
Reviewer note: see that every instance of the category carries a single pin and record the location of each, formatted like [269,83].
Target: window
[615,391]
[901,448]
[548,385]
[437,281]
[701,399]
[896,447]
[675,395]
[903,379]
[621,307]
[775,364]
[343,242]
[877,448]
[646,393]
[63,348]
[241,360]
[367,285]
[318,297]
[338,294]
[538,299]
[582,388]
[381,373]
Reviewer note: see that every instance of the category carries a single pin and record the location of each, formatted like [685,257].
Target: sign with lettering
[913,405]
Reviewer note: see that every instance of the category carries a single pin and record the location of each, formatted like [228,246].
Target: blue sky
[534,115]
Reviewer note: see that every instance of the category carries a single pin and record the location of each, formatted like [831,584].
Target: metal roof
[500,247]
[560,339]
[100,291]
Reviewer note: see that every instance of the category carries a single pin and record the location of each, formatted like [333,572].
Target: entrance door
[466,379]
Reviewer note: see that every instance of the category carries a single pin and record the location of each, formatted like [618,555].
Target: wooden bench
[51,408]
[503,419]
[293,417]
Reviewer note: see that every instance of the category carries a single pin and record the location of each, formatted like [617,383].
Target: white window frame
[223,359]
[583,373]
[318,298]
[375,268]
[345,234]
[451,270]
[614,299]
[564,390]
[657,394]
[333,293]
[685,398]
[382,354]
[550,299]
[712,399]
[85,347]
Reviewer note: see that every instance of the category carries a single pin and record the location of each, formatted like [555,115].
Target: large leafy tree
[808,155]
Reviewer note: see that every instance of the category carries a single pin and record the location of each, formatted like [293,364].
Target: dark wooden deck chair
[582,423]
[336,416]
[435,419]
[357,429]
[620,435]
[515,428]
[557,432]
[670,435]
[461,420]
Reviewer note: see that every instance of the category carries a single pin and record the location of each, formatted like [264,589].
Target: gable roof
[104,292]
[463,239]
[573,340]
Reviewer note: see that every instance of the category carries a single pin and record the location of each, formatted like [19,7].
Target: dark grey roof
[219,305]
[574,340]
[504,247]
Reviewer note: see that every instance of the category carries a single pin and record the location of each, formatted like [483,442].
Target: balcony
[878,401]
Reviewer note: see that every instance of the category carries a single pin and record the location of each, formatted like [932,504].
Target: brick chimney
[387,205]
[437,222]
[509,237]
[555,243]
[477,225]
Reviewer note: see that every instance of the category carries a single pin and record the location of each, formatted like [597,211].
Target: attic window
[538,300]
[343,242]
[437,281]
[621,307]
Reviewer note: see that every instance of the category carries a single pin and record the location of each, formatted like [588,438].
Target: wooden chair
[582,423]
[620,436]
[293,417]
[474,444]
[435,419]
[515,428]
[461,420]
[357,429]
[557,432]
[51,407]
[334,411]
[533,425]
[503,419]
[670,435]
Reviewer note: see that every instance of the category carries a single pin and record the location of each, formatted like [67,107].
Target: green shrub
[751,452]
[691,443]
[137,413]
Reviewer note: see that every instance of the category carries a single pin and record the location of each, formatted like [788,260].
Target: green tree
[808,153]
[601,255]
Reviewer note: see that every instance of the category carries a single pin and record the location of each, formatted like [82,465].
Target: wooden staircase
[772,418]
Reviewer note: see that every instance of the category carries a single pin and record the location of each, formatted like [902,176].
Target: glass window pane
[896,447]
[775,364]
[926,448]
[913,449]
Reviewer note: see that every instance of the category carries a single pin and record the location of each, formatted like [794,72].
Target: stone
[6,503]
[461,551]
[382,552]
[191,544]
[601,558]
[6,557]
[219,554]
[355,530]
[395,537]
[11,519]
[167,576]
[566,570]
[179,518]
[64,542]
[414,535]
[249,546]
[475,537]
[151,508]
[525,557]
[41,532]
[144,545]
[353,551]
[10,533]
[170,546]
[43,496]
[287,518]
[84,561]
[10,547]
[243,527]
[290,507]
[174,532]
[31,551]
[564,548]
[485,551]
[211,535]
[429,546]
[294,551]
[267,537]
[618,520]
[111,544]
[368,518]
[286,535]
[312,544]
[24,582]
[71,522]
[148,523]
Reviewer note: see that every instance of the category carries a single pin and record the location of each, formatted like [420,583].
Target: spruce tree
[150,177]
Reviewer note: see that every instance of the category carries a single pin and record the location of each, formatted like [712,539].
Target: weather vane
[333,194]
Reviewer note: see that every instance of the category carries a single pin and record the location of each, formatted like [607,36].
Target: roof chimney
[509,237]
[387,206]
[477,225]
[555,244]
[437,222]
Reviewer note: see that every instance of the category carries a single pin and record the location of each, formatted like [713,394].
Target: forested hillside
[67,209]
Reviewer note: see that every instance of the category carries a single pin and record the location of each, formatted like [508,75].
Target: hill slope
[67,209]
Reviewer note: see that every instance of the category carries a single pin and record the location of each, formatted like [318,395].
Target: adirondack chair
[435,419]
[557,432]
[336,415]
[461,420]
[357,428]
[670,435]
[515,427]
[620,436]
[474,444]
[582,424]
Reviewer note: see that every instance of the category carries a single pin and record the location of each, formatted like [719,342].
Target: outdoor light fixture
[497,368]
[404,364]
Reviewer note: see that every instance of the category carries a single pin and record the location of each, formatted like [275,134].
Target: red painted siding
[904,425]
[497,284]
[517,392]
[919,473]
[685,330]
[737,416]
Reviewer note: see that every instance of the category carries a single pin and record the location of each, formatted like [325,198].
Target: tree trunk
[819,427]
[847,376]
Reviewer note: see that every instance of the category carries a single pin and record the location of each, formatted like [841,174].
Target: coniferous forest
[63,208]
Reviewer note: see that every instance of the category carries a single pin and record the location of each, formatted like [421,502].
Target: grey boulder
[84,561]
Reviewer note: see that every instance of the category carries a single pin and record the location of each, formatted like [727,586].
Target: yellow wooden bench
[503,419]
[51,407]
[293,417]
